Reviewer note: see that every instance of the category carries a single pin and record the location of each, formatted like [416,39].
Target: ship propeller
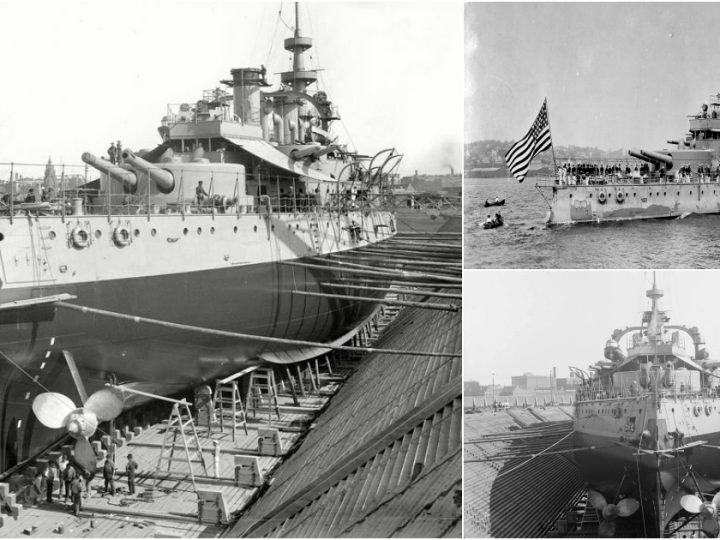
[56,411]
[610,512]
[707,510]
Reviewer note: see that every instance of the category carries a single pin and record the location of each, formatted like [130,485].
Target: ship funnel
[125,177]
[164,180]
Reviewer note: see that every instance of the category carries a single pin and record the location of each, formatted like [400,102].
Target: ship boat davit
[193,235]
[647,429]
[667,183]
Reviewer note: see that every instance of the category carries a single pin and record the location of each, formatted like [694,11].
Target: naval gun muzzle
[117,173]
[164,179]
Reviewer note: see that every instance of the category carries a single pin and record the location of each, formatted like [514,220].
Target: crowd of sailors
[574,174]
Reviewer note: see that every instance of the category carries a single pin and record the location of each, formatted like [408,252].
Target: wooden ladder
[229,406]
[262,392]
[177,425]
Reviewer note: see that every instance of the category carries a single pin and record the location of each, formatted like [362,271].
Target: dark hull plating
[255,299]
[615,470]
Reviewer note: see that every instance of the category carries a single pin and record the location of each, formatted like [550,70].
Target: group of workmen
[73,481]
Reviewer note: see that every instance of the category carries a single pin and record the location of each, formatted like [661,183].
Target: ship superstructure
[647,425]
[194,235]
[648,184]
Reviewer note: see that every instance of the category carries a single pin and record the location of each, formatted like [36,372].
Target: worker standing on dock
[76,489]
[130,469]
[216,459]
[109,476]
[51,473]
[68,476]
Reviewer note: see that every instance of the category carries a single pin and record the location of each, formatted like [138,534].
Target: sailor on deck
[200,193]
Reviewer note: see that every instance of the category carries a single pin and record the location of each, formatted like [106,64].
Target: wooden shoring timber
[379,258]
[374,272]
[248,337]
[438,271]
[399,282]
[411,292]
[425,234]
[424,243]
[389,302]
[453,255]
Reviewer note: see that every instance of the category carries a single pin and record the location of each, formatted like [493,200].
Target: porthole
[272,227]
[664,193]
[98,233]
[572,194]
[297,226]
[212,230]
[136,232]
[185,231]
[51,235]
[199,230]
[153,232]
[235,230]
[702,192]
[678,193]
[254,228]
[634,194]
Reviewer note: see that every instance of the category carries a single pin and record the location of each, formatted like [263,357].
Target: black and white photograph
[231,269]
[592,404]
[591,135]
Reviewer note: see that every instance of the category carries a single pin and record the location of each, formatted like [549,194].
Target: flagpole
[552,145]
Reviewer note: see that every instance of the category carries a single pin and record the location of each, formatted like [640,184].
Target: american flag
[536,140]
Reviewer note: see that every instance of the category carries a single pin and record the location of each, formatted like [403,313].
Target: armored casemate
[648,184]
[647,428]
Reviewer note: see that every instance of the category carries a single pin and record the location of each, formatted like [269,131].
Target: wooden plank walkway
[173,510]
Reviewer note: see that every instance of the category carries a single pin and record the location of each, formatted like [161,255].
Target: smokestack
[452,171]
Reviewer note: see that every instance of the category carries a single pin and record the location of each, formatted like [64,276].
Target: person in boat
[498,217]
[497,199]
[489,220]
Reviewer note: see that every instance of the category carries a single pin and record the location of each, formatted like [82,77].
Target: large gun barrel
[164,180]
[660,158]
[125,177]
[639,156]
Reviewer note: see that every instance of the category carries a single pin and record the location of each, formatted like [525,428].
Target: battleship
[189,261]
[668,183]
[647,428]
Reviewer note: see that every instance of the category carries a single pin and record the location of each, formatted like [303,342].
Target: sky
[529,320]
[616,75]
[78,75]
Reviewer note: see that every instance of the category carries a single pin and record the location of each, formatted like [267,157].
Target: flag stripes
[536,140]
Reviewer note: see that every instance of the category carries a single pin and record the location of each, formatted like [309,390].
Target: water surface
[525,241]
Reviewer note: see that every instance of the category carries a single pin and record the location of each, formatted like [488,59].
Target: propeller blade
[596,499]
[716,500]
[52,408]
[610,512]
[711,527]
[106,403]
[606,529]
[84,456]
[691,503]
[627,507]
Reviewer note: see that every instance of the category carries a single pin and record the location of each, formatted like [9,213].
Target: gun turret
[658,157]
[117,173]
[315,151]
[164,180]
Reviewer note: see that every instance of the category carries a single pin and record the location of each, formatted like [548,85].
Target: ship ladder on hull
[229,407]
[177,424]
[263,394]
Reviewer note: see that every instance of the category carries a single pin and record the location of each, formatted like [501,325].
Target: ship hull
[166,277]
[618,469]
[622,202]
